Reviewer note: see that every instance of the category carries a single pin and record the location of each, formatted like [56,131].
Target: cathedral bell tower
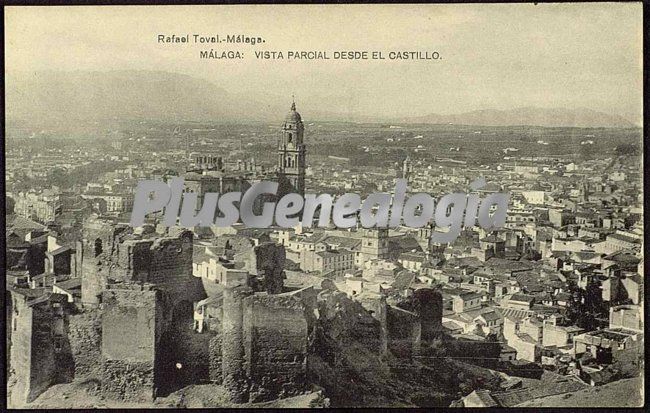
[291,151]
[407,168]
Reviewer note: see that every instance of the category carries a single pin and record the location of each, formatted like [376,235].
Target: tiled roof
[343,242]
[403,280]
[491,316]
[526,338]
[16,221]
[522,298]
[60,250]
[450,325]
[514,314]
[469,295]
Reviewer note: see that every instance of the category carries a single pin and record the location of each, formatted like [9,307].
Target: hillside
[622,393]
[93,96]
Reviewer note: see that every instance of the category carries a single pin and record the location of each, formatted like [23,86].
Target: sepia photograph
[324,206]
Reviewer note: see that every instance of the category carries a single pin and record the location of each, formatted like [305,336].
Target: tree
[586,306]
[492,349]
[59,177]
[627,149]
[9,205]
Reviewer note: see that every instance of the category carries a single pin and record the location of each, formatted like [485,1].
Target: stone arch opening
[183,353]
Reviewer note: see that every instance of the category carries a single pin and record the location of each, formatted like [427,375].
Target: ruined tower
[40,351]
[131,345]
[429,303]
[233,350]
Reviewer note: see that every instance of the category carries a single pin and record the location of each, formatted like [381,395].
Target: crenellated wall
[116,254]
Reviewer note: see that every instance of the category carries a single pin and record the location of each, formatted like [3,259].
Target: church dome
[293,116]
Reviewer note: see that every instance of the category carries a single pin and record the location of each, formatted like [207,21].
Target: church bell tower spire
[291,150]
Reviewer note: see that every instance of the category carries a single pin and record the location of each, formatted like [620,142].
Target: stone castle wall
[21,348]
[232,345]
[112,254]
[131,323]
[40,355]
[262,346]
[404,332]
[85,335]
[430,312]
[275,346]
[266,263]
[350,322]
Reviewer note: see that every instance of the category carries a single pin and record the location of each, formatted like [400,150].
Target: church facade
[208,173]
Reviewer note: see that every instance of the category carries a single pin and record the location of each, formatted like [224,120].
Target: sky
[494,56]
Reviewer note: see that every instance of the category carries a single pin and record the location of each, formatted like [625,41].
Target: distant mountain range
[50,96]
[554,117]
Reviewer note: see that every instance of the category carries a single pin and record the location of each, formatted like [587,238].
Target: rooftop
[522,298]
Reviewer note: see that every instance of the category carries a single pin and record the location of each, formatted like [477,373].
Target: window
[98,247]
